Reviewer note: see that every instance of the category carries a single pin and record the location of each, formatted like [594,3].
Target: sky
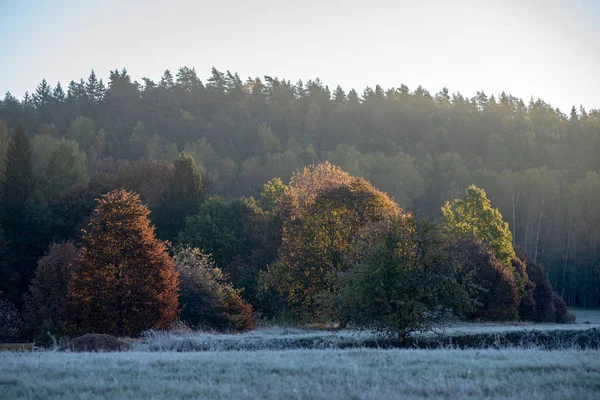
[548,49]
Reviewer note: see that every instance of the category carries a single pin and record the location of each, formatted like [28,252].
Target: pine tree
[42,99]
[181,198]
[17,187]
[21,217]
[4,142]
[126,282]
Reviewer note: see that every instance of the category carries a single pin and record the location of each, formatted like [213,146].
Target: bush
[46,301]
[562,315]
[401,280]
[497,297]
[527,304]
[545,310]
[207,299]
[11,324]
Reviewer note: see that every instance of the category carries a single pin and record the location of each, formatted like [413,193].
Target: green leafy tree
[241,238]
[220,228]
[58,165]
[323,211]
[272,194]
[473,218]
[82,131]
[401,280]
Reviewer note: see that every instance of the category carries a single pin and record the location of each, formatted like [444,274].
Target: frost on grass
[464,335]
[494,337]
[296,374]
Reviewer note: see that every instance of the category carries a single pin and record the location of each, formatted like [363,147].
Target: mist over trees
[538,166]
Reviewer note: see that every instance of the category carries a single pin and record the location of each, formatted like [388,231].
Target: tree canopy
[537,164]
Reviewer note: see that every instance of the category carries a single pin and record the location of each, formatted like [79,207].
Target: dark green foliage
[45,304]
[537,164]
[149,178]
[497,296]
[181,197]
[4,143]
[8,275]
[207,300]
[402,280]
[221,228]
[562,314]
[11,324]
[18,185]
[70,212]
[22,217]
[240,237]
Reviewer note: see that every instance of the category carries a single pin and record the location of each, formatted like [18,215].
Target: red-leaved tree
[126,281]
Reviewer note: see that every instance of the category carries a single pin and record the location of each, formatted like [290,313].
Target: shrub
[46,301]
[498,297]
[207,299]
[545,310]
[562,315]
[11,324]
[527,304]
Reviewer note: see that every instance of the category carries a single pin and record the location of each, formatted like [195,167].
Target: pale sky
[541,48]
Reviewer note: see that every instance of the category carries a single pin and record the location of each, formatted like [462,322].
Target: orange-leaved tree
[126,281]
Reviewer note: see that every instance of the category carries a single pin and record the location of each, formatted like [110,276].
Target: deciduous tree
[323,210]
[126,281]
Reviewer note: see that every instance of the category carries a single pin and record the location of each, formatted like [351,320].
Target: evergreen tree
[21,216]
[181,197]
[18,184]
[42,99]
[4,142]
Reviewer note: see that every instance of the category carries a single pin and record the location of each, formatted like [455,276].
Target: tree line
[329,249]
[537,164]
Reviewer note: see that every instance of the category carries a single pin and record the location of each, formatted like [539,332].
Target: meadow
[299,374]
[269,364]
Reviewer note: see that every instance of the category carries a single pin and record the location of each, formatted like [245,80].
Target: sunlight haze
[541,49]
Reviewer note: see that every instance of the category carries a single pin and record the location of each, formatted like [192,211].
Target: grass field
[300,374]
[276,366]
